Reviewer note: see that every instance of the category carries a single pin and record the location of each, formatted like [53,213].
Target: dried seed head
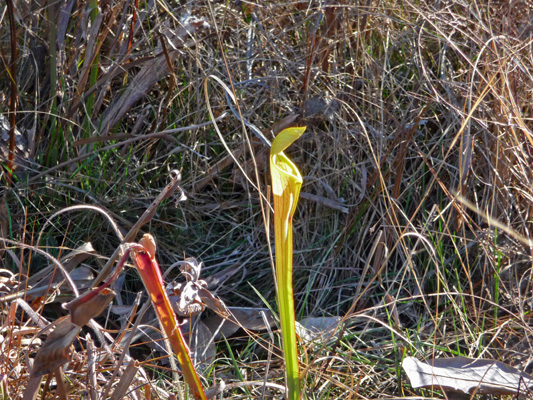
[148,242]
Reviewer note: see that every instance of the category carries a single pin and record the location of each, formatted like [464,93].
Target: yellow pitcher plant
[286,184]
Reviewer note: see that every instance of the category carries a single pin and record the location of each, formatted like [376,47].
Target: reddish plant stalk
[12,70]
[151,276]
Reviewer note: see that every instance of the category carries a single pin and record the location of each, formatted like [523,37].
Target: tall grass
[409,107]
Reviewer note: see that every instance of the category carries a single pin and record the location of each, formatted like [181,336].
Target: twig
[13,98]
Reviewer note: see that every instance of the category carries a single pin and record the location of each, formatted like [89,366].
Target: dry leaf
[215,281]
[82,277]
[124,384]
[240,317]
[334,204]
[22,150]
[202,345]
[57,348]
[319,109]
[151,72]
[467,375]
[89,305]
[191,298]
[317,328]
[69,261]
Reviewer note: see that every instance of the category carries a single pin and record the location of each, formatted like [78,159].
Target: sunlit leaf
[467,375]
[285,138]
[286,184]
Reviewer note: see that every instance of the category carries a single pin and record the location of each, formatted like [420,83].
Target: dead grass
[407,104]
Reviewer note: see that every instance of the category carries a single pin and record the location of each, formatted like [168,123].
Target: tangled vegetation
[412,230]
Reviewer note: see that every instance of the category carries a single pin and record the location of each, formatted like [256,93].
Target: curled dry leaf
[90,305]
[148,242]
[191,298]
[57,348]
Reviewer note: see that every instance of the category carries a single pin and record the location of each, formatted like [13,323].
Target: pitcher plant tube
[286,184]
[143,255]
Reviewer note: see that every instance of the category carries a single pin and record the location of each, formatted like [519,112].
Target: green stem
[286,184]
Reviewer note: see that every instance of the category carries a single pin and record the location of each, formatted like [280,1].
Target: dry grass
[408,105]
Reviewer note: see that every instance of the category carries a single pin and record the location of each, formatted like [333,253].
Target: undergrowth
[414,215]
